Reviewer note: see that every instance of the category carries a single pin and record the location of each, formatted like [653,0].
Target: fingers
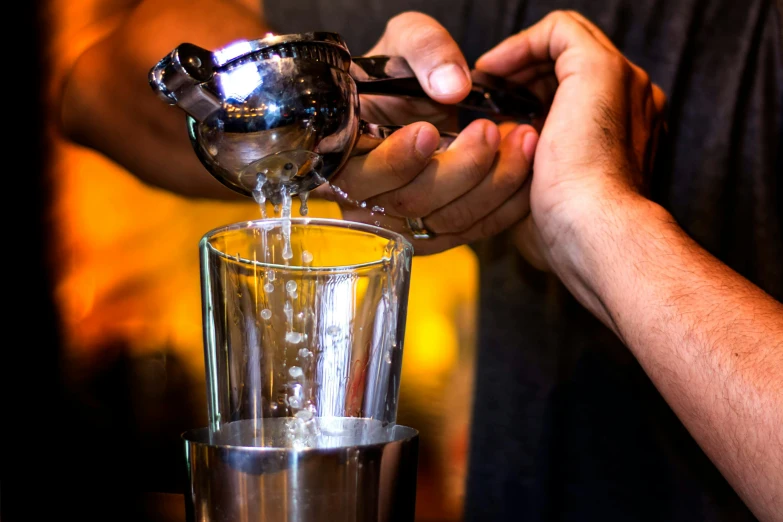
[545,41]
[659,98]
[506,128]
[594,30]
[510,212]
[402,176]
[499,200]
[393,164]
[539,79]
[448,175]
[431,52]
[510,171]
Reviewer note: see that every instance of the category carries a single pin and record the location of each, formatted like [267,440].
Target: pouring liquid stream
[298,391]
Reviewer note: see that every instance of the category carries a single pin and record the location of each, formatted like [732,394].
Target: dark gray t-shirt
[566,425]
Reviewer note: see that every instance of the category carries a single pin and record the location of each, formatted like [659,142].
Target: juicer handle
[391,75]
[372,134]
[181,77]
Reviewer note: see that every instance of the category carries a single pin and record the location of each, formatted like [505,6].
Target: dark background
[55,463]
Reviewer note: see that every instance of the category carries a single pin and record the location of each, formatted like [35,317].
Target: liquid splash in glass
[289,308]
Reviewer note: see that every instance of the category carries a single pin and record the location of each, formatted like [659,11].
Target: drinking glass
[303,319]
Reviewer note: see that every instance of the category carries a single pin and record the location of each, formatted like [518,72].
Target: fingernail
[447,79]
[426,142]
[529,143]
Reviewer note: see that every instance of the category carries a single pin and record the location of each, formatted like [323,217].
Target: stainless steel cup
[359,471]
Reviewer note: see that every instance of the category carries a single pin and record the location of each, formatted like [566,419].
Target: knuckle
[642,77]
[658,93]
[509,179]
[401,168]
[398,21]
[428,41]
[490,226]
[564,17]
[456,218]
[409,203]
[618,65]
[407,17]
[560,15]
[474,167]
[416,31]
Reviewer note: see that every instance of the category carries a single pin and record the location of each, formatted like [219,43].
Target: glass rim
[328,222]
[200,437]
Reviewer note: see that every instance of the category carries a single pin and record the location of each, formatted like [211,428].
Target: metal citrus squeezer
[286,107]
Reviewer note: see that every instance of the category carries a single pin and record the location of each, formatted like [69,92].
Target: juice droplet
[304,415]
[293,337]
[303,203]
[285,213]
[258,193]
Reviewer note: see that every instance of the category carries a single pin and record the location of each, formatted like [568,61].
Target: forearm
[710,341]
[107,102]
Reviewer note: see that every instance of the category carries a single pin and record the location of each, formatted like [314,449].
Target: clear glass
[314,331]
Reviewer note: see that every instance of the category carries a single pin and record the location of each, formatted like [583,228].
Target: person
[630,363]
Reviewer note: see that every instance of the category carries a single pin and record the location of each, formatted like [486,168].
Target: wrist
[607,238]
[603,233]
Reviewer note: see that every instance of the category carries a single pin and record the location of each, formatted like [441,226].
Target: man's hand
[598,139]
[710,341]
[474,189]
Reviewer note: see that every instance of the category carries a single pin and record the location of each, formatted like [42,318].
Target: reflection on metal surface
[285,95]
[242,473]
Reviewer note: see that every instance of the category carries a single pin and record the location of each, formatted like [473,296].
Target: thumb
[431,52]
